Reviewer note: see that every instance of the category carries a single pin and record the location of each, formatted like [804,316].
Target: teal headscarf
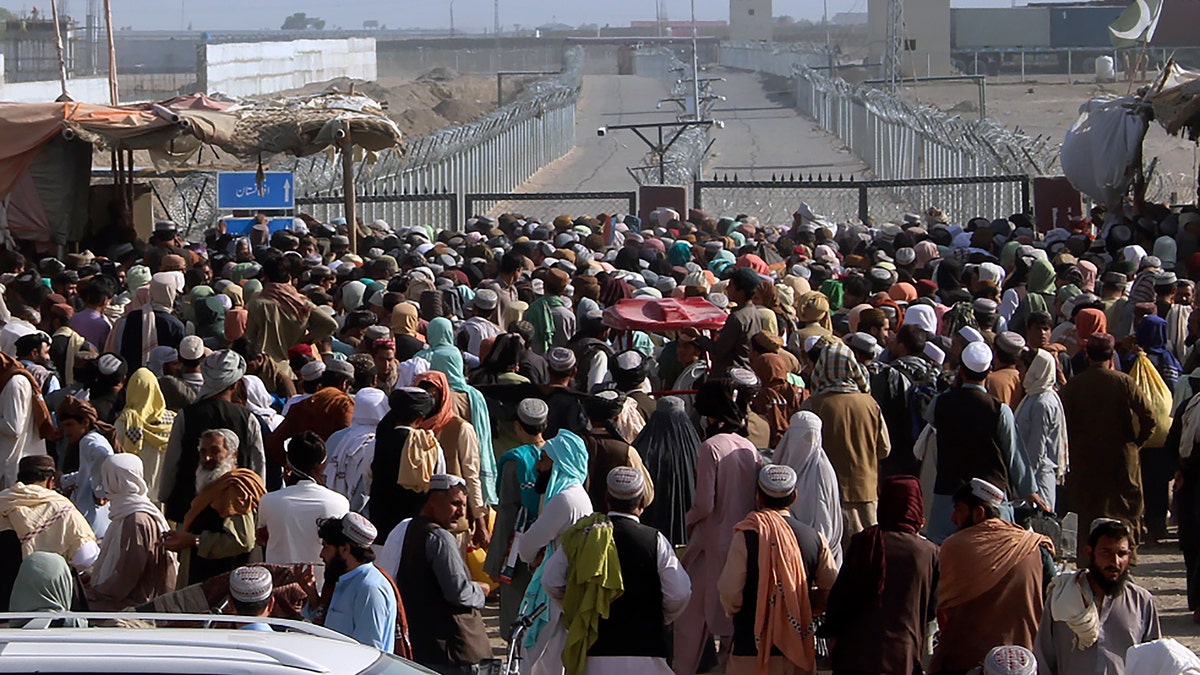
[251,288]
[443,356]
[570,458]
[680,253]
[44,584]
[721,261]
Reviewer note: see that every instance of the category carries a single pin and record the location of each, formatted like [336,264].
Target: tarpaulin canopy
[654,314]
[174,129]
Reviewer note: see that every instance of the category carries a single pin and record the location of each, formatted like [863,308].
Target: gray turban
[221,370]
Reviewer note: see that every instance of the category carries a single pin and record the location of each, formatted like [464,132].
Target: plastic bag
[1151,384]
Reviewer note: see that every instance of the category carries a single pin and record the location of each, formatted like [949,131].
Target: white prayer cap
[109,364]
[977,357]
[1010,343]
[440,482]
[358,530]
[777,480]
[486,299]
[934,353]
[865,343]
[626,483]
[719,299]
[312,371]
[990,494]
[991,272]
[1010,660]
[533,411]
[250,584]
[191,348]
[1101,522]
[970,334]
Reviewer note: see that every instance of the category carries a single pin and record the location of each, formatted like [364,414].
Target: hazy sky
[469,14]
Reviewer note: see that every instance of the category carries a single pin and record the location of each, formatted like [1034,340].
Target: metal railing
[437,209]
[898,139]
[841,198]
[551,203]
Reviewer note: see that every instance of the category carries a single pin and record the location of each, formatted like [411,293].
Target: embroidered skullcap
[109,364]
[486,299]
[1101,522]
[777,480]
[977,357]
[1010,343]
[560,359]
[533,411]
[988,493]
[934,353]
[312,371]
[440,482]
[250,584]
[985,306]
[359,530]
[1010,660]
[625,482]
[340,367]
[905,256]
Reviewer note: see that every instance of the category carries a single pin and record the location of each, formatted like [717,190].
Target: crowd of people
[859,470]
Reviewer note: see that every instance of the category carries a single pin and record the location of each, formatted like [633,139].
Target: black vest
[966,419]
[198,418]
[441,634]
[809,542]
[634,626]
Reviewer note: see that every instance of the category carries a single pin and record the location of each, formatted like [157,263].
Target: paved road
[600,163]
[764,135]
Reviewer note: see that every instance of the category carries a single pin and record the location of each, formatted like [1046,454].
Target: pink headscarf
[1088,271]
[925,251]
[853,316]
[755,263]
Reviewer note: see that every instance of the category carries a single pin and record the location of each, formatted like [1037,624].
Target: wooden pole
[348,185]
[113,94]
[58,43]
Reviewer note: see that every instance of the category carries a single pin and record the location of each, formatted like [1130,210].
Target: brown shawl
[10,368]
[974,560]
[290,301]
[235,494]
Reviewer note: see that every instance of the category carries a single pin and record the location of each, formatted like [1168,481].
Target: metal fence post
[863,204]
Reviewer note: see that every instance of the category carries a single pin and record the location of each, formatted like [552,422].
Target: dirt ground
[1049,105]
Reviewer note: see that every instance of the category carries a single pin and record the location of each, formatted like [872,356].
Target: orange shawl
[974,560]
[234,494]
[783,616]
[438,420]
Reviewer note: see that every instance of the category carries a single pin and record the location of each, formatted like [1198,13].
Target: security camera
[720,124]
[602,132]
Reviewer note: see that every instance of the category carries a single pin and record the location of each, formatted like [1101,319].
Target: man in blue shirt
[250,595]
[363,605]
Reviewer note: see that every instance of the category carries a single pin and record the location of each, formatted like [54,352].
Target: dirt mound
[439,74]
[460,111]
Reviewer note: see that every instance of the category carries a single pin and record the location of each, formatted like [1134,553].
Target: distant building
[925,36]
[750,20]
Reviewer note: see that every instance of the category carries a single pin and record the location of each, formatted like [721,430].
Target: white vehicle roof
[40,648]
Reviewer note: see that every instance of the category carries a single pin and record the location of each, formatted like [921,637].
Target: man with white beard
[218,532]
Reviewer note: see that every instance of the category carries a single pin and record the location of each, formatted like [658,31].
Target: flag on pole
[1136,24]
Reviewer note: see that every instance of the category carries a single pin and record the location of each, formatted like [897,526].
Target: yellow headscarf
[142,421]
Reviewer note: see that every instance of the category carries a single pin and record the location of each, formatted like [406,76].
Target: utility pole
[451,18]
[695,65]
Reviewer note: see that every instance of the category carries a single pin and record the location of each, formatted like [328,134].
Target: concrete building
[750,20]
[925,35]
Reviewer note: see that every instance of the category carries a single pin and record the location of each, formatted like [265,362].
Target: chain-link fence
[548,205]
[878,200]
[902,140]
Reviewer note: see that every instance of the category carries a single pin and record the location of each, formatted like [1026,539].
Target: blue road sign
[239,190]
[241,226]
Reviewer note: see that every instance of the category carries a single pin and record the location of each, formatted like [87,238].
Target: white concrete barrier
[83,90]
[254,69]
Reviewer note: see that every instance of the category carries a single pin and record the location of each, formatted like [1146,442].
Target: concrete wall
[83,90]
[155,55]
[253,69]
[750,20]
[926,30]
